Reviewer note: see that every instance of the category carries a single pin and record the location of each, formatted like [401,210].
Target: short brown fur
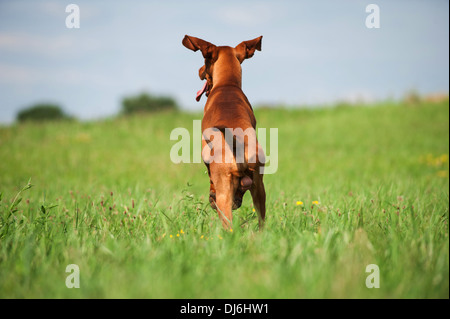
[227,107]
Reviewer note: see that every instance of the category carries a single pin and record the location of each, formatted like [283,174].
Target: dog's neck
[227,71]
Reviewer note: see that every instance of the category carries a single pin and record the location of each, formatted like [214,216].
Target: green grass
[106,197]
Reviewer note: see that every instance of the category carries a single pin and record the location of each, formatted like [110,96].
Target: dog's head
[211,53]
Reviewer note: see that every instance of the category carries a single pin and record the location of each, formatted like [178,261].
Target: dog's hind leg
[224,203]
[212,190]
[225,187]
[259,198]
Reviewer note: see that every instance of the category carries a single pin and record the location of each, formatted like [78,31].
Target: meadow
[355,186]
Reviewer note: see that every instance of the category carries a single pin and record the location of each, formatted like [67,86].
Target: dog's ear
[202,73]
[195,44]
[246,49]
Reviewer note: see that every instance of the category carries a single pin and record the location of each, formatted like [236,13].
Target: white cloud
[22,75]
[35,43]
[10,74]
[47,46]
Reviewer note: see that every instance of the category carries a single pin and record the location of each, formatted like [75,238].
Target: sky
[313,52]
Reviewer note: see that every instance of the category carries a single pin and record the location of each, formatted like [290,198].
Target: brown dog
[227,110]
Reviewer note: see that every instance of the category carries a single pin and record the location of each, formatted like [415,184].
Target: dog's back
[228,107]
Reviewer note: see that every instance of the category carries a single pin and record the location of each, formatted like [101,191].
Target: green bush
[41,112]
[145,102]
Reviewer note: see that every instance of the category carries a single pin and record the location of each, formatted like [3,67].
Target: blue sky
[313,52]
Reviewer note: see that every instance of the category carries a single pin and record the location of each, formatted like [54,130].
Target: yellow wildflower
[442,173]
[299,203]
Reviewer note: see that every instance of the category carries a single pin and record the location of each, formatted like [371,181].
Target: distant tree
[42,112]
[145,102]
[412,98]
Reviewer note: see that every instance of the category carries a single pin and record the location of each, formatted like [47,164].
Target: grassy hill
[355,186]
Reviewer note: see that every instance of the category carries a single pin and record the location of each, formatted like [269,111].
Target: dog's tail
[242,145]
